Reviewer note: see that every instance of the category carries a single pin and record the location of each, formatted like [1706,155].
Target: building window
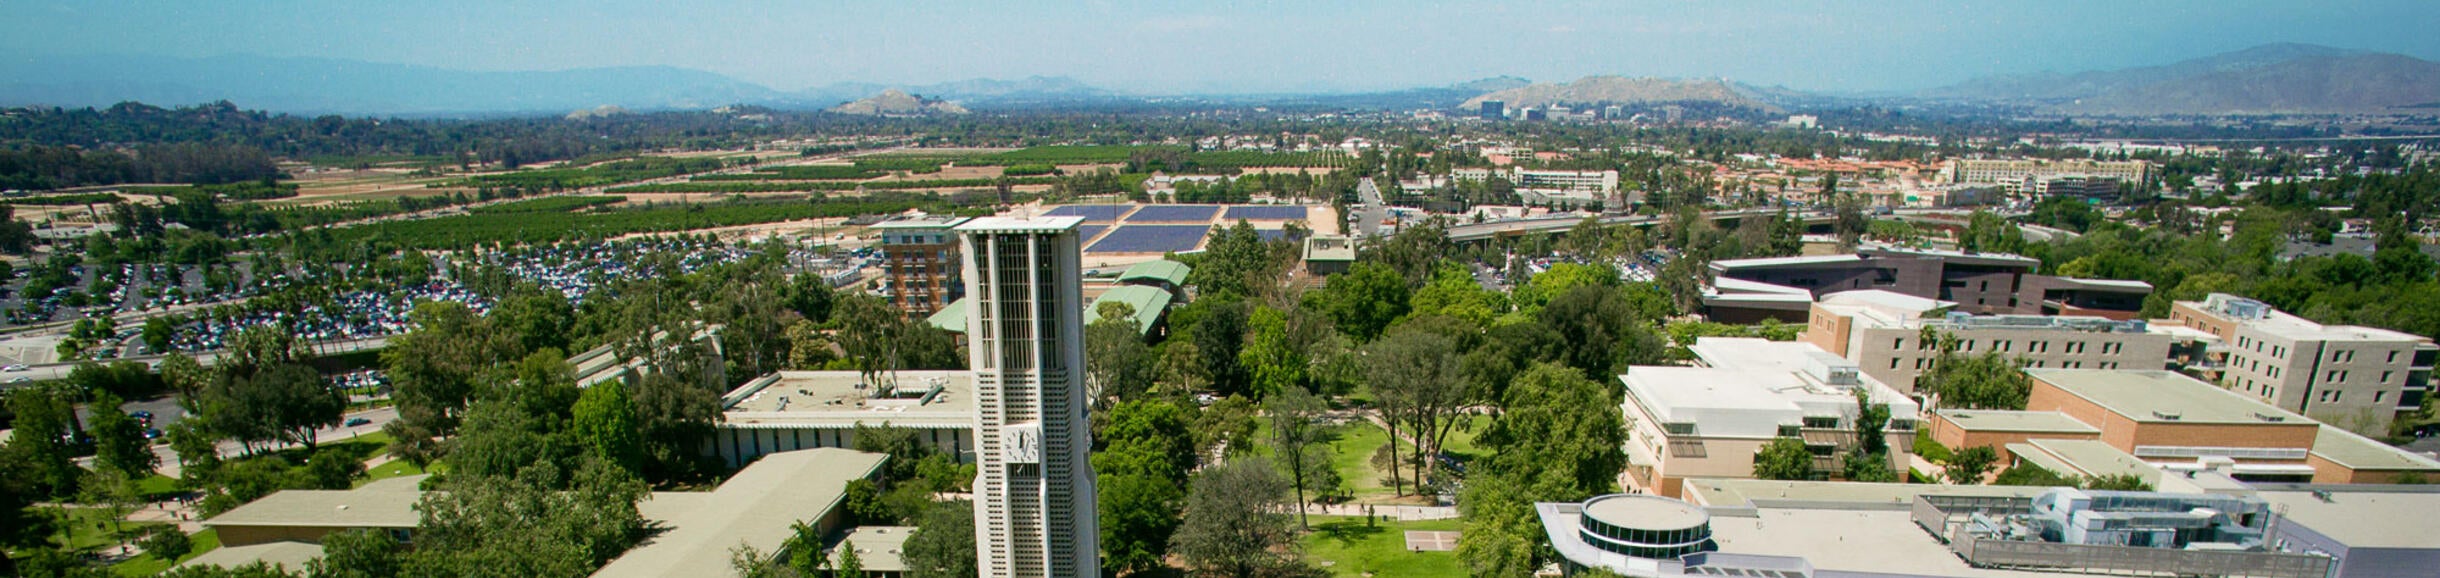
[1817,422]
[2378,395]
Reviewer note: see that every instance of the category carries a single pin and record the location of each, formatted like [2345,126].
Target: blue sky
[1243,46]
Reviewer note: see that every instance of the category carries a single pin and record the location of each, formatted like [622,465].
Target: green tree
[1147,437]
[1364,300]
[435,370]
[850,564]
[943,543]
[1454,293]
[1968,466]
[1299,441]
[2032,475]
[1987,381]
[1139,514]
[1784,459]
[1868,461]
[43,432]
[1116,359]
[359,553]
[1415,378]
[166,543]
[1237,521]
[2119,482]
[119,443]
[1596,330]
[1273,358]
[605,421]
[541,522]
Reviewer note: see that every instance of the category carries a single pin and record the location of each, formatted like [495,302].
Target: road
[1369,217]
[375,418]
[51,371]
[1552,225]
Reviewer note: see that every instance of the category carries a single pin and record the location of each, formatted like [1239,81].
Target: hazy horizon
[1253,47]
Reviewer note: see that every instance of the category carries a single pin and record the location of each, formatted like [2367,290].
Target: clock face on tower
[1022,442]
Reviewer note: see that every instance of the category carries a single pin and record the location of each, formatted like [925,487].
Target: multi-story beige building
[1709,421]
[1882,332]
[1603,182]
[2351,376]
[2016,175]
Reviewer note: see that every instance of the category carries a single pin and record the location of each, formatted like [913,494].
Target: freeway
[1553,225]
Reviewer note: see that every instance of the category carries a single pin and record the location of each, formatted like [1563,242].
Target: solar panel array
[1265,213]
[1174,214]
[1090,212]
[1151,239]
[1085,233]
[1270,234]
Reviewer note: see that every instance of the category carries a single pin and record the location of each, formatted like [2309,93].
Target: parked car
[357,421]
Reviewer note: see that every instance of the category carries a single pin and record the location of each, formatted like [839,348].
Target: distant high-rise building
[919,256]
[1494,109]
[1535,113]
[1034,503]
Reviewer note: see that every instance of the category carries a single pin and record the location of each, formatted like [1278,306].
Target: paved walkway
[1385,511]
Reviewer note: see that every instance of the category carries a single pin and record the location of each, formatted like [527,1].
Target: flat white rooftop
[1020,224]
[1881,541]
[842,399]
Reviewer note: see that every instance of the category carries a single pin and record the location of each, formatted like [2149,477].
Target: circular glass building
[1645,526]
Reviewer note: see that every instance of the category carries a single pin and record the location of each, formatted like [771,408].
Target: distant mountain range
[892,102]
[2269,79]
[1626,91]
[318,86]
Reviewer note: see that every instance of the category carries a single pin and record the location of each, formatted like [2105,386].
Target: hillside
[2365,83]
[893,102]
[314,85]
[1624,90]
[2268,79]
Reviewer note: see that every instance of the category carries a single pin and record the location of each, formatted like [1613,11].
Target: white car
[13,367]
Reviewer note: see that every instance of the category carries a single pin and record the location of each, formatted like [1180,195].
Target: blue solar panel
[1174,214]
[1090,212]
[1150,239]
[1085,233]
[1265,213]
[1271,234]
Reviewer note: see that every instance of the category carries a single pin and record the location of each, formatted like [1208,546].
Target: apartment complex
[1600,182]
[920,264]
[1708,421]
[2358,377]
[1748,290]
[1034,507]
[1882,332]
[2021,175]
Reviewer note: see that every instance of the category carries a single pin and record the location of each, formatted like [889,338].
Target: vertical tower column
[1035,513]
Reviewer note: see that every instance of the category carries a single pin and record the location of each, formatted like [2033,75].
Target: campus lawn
[91,528]
[1350,548]
[147,564]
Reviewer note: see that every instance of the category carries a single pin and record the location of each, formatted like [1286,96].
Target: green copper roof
[1170,271]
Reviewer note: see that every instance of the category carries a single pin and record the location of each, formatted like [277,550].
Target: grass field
[1345,546]
[147,564]
[1352,455]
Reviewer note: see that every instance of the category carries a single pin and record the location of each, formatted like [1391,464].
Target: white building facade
[1035,513]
